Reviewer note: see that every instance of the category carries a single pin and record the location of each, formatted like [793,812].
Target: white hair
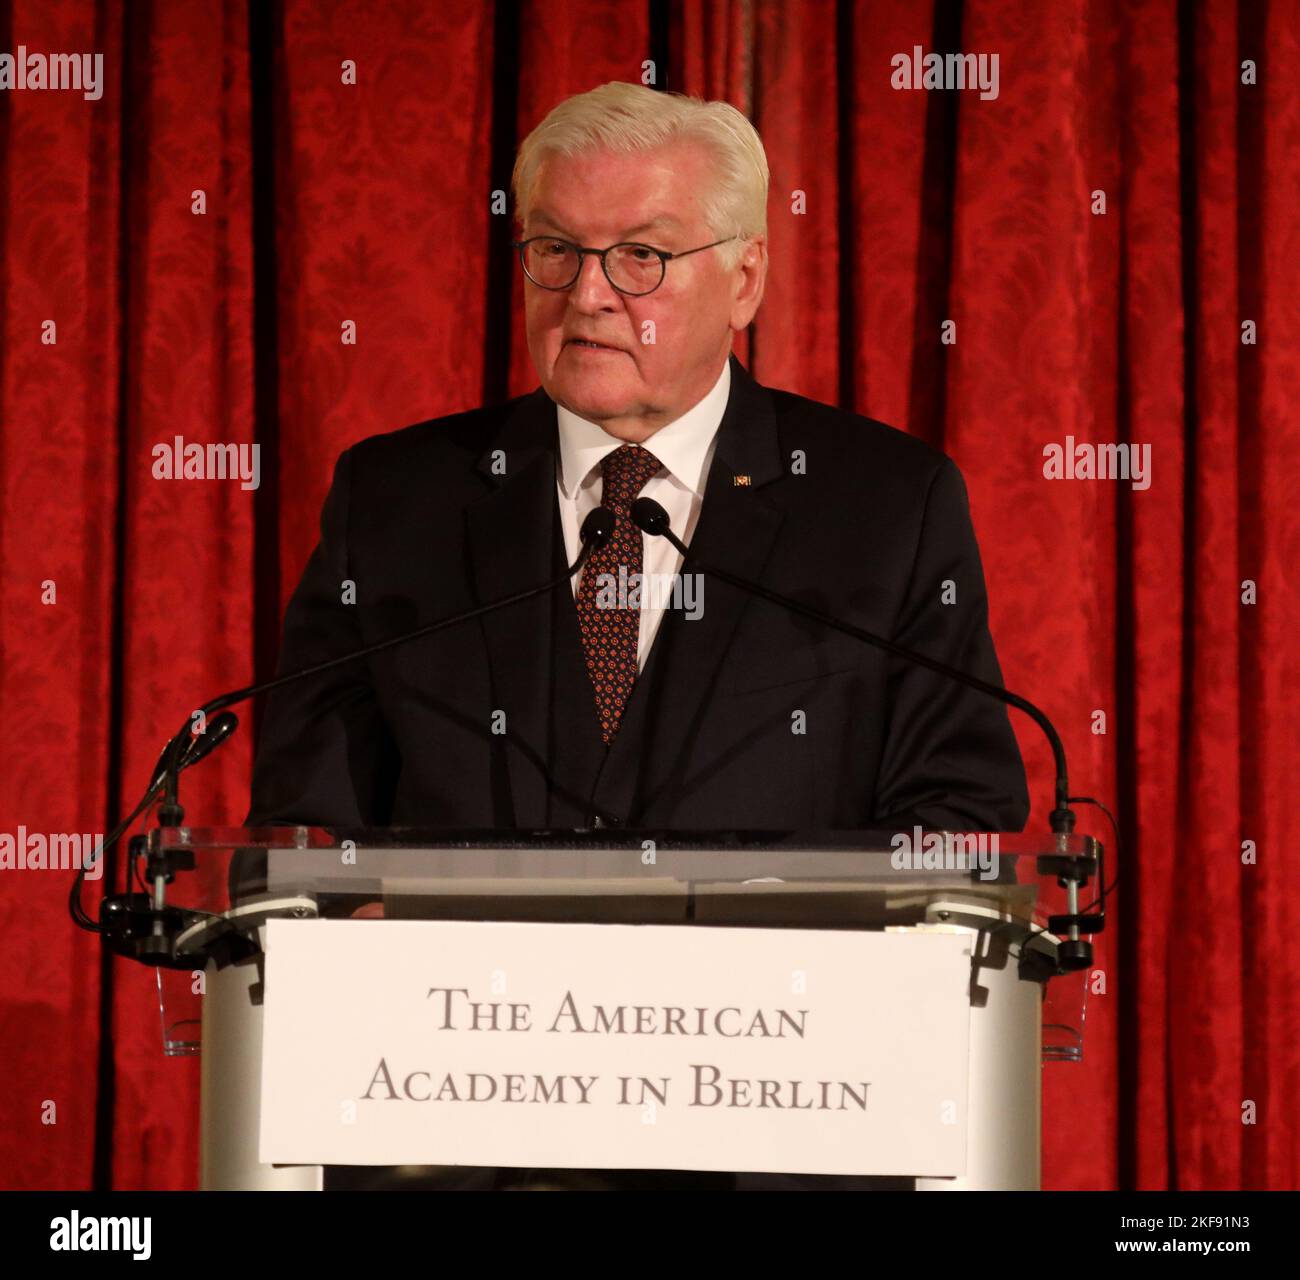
[625,117]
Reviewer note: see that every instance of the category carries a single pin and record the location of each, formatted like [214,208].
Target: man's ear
[750,275]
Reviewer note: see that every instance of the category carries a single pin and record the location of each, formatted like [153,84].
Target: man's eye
[642,254]
[556,248]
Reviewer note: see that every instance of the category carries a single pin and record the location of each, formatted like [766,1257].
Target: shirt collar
[682,446]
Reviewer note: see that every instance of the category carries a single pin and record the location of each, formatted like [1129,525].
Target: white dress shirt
[685,448]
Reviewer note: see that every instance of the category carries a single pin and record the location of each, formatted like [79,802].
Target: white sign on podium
[615,1046]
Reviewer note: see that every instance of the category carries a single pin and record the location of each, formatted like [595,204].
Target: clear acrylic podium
[223,886]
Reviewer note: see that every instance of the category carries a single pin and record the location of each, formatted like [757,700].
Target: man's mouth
[589,345]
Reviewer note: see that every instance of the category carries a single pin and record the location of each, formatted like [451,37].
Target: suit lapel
[511,543]
[739,521]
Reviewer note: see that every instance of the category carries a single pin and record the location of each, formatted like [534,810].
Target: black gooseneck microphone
[653,520]
[187,748]
[596,530]
[1074,951]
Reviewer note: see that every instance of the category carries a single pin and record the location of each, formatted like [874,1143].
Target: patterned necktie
[610,628]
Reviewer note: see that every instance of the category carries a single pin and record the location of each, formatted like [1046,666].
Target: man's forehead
[660,222]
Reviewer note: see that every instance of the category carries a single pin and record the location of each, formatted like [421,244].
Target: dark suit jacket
[851,516]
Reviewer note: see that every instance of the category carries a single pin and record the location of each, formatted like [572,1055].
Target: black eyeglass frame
[664,256]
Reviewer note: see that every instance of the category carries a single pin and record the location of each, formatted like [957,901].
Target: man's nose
[592,291]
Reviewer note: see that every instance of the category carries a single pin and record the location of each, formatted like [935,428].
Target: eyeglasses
[634,269]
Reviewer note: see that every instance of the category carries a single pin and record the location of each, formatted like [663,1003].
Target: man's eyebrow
[662,220]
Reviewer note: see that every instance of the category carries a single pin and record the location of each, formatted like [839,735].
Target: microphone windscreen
[598,527]
[220,727]
[650,517]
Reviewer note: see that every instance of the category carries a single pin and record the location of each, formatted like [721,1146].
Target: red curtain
[1112,240]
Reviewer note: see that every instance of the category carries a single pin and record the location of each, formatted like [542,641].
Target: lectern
[877,1003]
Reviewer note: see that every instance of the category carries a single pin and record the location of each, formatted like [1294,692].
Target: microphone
[187,748]
[205,743]
[1074,952]
[653,520]
[596,531]
[200,745]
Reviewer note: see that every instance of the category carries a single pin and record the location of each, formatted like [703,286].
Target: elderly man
[643,244]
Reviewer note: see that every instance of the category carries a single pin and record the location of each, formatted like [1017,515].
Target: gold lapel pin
[741,481]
